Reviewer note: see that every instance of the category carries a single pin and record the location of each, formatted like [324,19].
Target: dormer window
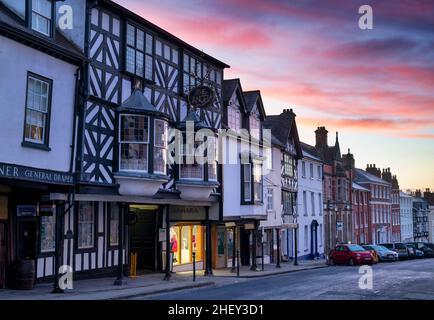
[234,117]
[255,126]
[42,16]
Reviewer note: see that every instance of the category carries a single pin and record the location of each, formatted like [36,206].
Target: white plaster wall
[273,180]
[15,61]
[232,182]
[406,215]
[309,185]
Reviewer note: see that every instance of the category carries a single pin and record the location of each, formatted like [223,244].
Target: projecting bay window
[252,183]
[42,17]
[138,57]
[247,182]
[86,225]
[195,168]
[160,146]
[38,105]
[257,182]
[133,143]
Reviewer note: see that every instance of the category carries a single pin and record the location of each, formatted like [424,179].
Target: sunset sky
[376,87]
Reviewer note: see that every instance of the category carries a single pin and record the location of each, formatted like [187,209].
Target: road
[412,279]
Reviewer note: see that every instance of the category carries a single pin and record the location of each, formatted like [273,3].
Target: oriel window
[134,143]
[160,146]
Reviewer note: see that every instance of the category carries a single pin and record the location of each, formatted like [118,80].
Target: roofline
[164,33]
[41,44]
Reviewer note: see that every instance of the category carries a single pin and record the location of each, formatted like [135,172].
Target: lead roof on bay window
[138,103]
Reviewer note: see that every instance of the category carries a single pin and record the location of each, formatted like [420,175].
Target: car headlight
[358,255]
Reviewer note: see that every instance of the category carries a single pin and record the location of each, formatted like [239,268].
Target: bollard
[194,266]
[238,263]
[133,267]
[262,259]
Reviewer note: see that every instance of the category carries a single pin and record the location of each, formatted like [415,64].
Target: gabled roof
[229,88]
[252,98]
[15,28]
[361,176]
[310,149]
[283,127]
[359,187]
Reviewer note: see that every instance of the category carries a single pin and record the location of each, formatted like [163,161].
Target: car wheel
[332,262]
[352,262]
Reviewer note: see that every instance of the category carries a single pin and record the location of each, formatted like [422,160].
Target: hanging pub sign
[201,96]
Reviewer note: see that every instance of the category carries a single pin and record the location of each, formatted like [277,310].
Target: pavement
[153,284]
[403,280]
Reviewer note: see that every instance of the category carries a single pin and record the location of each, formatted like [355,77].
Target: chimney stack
[321,137]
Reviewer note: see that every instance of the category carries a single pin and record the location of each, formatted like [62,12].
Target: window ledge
[42,147]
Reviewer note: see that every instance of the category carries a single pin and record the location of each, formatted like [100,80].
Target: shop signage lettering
[38,175]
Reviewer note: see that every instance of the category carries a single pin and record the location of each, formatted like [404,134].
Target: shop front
[28,224]
[187,237]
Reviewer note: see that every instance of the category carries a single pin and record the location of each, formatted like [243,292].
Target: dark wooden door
[27,239]
[245,247]
[2,254]
[143,239]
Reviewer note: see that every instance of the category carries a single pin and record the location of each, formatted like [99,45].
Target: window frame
[51,20]
[46,136]
[164,148]
[255,166]
[43,253]
[245,200]
[79,249]
[270,199]
[145,52]
[148,143]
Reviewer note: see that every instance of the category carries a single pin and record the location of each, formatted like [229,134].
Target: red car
[351,254]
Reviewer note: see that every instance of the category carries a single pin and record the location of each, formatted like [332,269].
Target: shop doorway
[2,254]
[27,237]
[143,238]
[245,247]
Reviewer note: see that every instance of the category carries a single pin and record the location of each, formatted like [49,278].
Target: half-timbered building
[135,90]
[281,232]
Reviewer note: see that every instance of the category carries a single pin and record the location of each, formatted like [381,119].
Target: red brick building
[338,219]
[396,217]
[361,214]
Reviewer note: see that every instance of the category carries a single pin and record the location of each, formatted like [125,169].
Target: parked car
[351,254]
[413,252]
[425,248]
[383,253]
[411,249]
[399,248]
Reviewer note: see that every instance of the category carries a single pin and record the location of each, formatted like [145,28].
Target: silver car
[383,253]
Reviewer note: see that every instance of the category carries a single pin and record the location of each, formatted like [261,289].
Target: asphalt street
[413,279]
